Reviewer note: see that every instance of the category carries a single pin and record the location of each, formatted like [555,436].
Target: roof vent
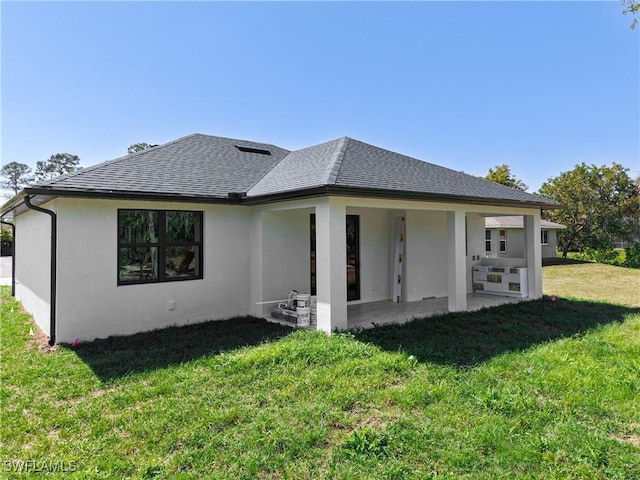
[261,151]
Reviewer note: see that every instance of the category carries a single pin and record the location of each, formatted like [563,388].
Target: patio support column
[533,254]
[331,265]
[456,261]
[256,264]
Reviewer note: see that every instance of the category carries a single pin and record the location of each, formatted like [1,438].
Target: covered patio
[308,246]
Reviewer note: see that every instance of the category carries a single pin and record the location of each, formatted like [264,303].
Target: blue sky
[540,86]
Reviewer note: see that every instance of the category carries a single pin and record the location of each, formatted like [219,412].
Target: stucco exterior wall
[549,250]
[475,245]
[286,252]
[426,255]
[250,254]
[515,244]
[33,261]
[92,305]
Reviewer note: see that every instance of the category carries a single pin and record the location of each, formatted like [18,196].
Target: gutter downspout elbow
[54,270]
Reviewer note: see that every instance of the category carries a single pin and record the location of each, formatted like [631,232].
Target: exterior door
[352,260]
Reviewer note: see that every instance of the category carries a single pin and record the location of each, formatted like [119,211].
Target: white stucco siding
[475,244]
[286,248]
[92,305]
[33,263]
[426,255]
[549,250]
[377,231]
[515,243]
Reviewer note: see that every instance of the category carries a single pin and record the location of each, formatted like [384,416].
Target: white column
[457,264]
[331,264]
[256,265]
[533,254]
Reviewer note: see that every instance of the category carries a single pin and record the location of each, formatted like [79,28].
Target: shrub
[603,253]
[632,256]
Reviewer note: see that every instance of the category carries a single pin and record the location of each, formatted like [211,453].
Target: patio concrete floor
[369,315]
[372,314]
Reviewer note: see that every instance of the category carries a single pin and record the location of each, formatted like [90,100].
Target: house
[504,237]
[206,228]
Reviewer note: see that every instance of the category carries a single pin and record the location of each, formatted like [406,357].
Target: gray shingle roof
[212,167]
[351,163]
[196,165]
[517,222]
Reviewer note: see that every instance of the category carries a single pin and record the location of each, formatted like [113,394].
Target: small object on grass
[31,331]
[75,343]
[553,298]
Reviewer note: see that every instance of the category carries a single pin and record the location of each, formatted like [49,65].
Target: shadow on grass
[117,356]
[465,339]
[547,262]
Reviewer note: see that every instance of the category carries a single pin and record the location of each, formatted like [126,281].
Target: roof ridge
[331,175]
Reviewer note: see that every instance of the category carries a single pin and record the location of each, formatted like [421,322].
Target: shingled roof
[207,168]
[517,222]
[354,164]
[193,166]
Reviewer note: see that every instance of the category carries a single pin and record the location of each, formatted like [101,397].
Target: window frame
[162,244]
[502,241]
[487,240]
[544,236]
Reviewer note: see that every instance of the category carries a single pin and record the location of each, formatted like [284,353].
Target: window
[487,240]
[544,237]
[502,237]
[159,246]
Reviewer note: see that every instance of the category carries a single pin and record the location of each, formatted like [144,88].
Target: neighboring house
[207,228]
[504,237]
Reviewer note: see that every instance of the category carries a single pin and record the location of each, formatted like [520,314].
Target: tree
[138,147]
[16,176]
[57,164]
[502,175]
[632,7]
[601,204]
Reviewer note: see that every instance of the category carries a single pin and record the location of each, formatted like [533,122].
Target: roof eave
[392,195]
[274,197]
[130,195]
[12,204]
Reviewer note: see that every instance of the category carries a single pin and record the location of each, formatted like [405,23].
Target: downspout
[54,236]
[13,256]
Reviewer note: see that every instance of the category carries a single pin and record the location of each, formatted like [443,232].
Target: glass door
[353,256]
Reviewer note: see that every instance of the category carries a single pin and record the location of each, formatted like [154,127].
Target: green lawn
[594,281]
[538,390]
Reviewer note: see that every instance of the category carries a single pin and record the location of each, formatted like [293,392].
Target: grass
[537,390]
[593,281]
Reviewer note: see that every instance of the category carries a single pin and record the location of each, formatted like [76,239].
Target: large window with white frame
[159,246]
